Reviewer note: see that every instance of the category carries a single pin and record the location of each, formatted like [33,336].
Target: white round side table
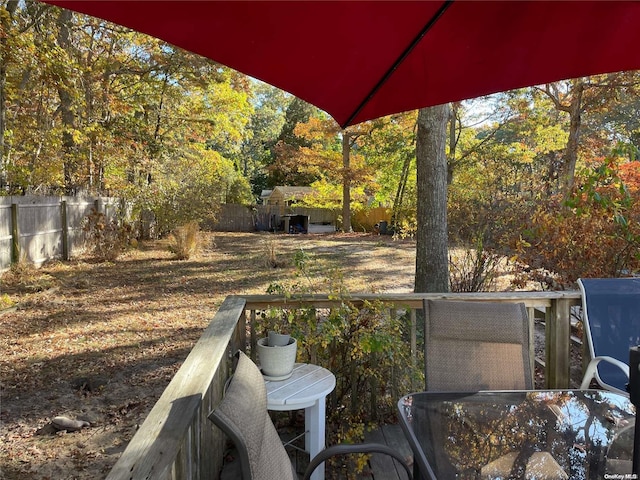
[307,388]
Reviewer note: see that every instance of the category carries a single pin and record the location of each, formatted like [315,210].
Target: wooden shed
[286,196]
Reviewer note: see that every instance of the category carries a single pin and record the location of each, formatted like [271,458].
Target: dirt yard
[99,342]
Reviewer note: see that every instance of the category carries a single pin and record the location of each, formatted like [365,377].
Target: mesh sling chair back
[611,318]
[242,415]
[477,346]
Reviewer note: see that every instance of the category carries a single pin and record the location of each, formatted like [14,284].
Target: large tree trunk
[346,183]
[432,261]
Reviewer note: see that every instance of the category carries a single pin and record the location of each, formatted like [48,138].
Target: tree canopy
[90,107]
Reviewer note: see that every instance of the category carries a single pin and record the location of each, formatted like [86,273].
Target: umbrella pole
[634,394]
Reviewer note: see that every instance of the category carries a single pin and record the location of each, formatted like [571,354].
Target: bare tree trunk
[570,159]
[346,183]
[89,101]
[567,170]
[66,106]
[11,7]
[399,198]
[453,141]
[3,105]
[432,261]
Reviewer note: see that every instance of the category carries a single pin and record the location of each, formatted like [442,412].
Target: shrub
[473,269]
[594,233]
[191,188]
[184,241]
[107,239]
[271,257]
[363,344]
[406,228]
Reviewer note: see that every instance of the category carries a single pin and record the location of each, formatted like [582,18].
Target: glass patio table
[538,434]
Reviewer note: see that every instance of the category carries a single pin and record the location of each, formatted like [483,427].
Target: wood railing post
[414,346]
[393,314]
[531,313]
[253,335]
[557,345]
[241,334]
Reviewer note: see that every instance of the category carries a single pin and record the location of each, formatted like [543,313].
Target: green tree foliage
[92,107]
[191,188]
[389,151]
[264,127]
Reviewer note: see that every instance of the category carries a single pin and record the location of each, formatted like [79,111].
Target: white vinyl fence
[37,229]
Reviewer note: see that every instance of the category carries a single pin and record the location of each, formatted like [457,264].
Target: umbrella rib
[399,60]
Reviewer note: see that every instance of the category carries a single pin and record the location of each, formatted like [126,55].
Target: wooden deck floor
[381,467]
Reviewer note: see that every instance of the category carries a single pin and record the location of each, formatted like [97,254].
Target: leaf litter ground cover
[99,342]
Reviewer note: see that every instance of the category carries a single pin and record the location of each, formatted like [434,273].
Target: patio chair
[242,416]
[611,320]
[476,346]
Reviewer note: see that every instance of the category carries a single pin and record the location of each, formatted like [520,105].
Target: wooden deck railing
[176,441]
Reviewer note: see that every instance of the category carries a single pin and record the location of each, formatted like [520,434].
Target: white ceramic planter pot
[277,362]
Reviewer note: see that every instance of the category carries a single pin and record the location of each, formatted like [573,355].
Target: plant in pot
[277,351]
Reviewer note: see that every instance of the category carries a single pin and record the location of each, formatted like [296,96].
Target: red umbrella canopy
[359,60]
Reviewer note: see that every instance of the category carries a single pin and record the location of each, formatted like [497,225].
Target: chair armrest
[593,365]
[348,449]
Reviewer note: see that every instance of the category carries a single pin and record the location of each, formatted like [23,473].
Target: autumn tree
[333,158]
[92,107]
[8,49]
[26,96]
[262,131]
[575,97]
[506,188]
[389,149]
[282,167]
